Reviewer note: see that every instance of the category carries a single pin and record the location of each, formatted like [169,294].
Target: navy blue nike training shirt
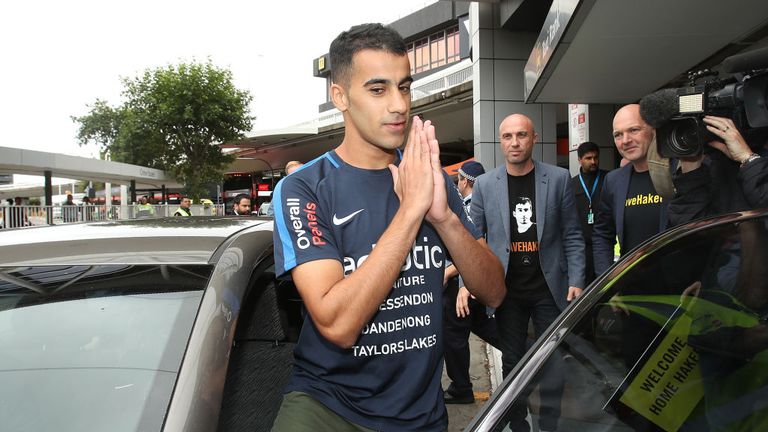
[390,378]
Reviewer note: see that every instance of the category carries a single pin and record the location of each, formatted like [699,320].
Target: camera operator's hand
[732,144]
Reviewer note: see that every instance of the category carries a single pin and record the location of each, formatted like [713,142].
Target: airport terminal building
[567,64]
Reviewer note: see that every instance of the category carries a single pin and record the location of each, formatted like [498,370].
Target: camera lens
[683,138]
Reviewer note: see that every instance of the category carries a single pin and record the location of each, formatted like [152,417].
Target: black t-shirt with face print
[524,277]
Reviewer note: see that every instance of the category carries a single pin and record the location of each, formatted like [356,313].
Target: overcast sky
[60,56]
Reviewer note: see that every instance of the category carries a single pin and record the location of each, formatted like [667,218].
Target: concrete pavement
[481,366]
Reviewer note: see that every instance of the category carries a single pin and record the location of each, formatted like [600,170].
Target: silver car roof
[142,241]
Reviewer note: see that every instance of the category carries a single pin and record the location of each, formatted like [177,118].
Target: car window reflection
[679,341]
[93,347]
[21,286]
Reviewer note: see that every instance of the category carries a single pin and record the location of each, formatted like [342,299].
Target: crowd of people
[396,265]
[13,213]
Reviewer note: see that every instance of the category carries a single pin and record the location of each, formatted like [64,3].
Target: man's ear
[339,97]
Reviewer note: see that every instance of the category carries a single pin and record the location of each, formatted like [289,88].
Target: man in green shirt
[144,209]
[183,209]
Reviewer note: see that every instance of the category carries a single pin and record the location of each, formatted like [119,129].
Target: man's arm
[340,306]
[450,272]
[604,231]
[477,206]
[732,144]
[573,240]
[480,269]
[754,181]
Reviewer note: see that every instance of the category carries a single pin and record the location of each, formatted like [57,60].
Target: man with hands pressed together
[364,231]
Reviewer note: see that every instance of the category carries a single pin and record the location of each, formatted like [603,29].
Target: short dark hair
[240,197]
[523,201]
[587,147]
[358,38]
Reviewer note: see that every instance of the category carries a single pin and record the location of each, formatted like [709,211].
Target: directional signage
[560,14]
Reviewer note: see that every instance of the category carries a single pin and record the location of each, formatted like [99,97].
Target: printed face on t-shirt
[523,213]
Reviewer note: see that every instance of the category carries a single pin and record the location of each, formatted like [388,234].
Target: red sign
[263,186]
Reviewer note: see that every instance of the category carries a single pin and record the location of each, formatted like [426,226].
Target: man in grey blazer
[527,211]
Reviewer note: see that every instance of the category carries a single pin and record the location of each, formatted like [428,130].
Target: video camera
[677,113]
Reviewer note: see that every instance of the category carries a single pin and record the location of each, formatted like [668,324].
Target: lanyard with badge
[590,215]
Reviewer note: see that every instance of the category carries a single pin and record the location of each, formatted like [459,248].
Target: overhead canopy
[33,162]
[271,137]
[444,97]
[616,51]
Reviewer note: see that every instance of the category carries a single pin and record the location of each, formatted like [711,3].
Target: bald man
[292,166]
[629,206]
[527,210]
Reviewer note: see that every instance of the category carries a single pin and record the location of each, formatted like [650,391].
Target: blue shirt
[390,378]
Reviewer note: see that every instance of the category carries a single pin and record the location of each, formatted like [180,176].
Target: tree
[171,119]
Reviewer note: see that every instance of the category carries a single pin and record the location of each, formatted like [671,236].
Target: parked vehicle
[264,208]
[673,337]
[143,325]
[179,324]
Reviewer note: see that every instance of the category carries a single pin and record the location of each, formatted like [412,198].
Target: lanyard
[594,187]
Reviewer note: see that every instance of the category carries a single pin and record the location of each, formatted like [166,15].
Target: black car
[180,325]
[672,338]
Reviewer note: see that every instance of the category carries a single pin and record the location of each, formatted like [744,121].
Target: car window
[678,341]
[261,359]
[264,208]
[93,347]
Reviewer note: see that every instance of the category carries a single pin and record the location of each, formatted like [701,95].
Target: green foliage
[171,119]
[81,186]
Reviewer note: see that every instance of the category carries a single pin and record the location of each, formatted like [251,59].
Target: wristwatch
[749,159]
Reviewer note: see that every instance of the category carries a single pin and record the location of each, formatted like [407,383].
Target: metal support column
[48,197]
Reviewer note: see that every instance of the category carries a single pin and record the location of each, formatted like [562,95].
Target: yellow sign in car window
[668,386]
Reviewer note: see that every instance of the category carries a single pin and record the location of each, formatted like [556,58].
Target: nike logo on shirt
[340,221]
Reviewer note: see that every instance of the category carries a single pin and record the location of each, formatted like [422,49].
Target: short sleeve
[301,232]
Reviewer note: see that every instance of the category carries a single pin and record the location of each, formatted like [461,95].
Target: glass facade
[438,49]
